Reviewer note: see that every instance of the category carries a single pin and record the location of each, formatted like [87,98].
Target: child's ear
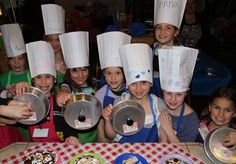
[234,115]
[176,33]
[209,108]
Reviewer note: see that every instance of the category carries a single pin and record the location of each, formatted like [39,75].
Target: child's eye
[38,77]
[144,82]
[216,107]
[74,70]
[118,73]
[228,110]
[168,93]
[158,27]
[83,69]
[108,73]
[48,76]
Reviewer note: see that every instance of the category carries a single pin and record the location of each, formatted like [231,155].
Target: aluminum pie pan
[40,105]
[124,112]
[213,147]
[83,111]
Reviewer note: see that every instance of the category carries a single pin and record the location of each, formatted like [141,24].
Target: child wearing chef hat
[16,53]
[168,15]
[54,25]
[180,121]
[75,48]
[108,45]
[43,72]
[137,64]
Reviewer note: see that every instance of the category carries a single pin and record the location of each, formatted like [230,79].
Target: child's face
[139,89]
[44,82]
[114,77]
[174,99]
[165,34]
[17,63]
[222,111]
[79,76]
[53,39]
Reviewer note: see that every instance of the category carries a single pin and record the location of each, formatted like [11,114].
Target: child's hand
[62,98]
[166,122]
[72,140]
[230,139]
[18,110]
[106,113]
[21,88]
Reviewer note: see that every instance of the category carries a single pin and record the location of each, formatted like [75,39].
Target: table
[152,152]
[208,75]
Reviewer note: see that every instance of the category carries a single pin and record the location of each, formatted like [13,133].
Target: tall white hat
[176,66]
[75,48]
[136,59]
[53,19]
[41,58]
[108,45]
[169,11]
[13,39]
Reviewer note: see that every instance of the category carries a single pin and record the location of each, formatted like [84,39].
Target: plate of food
[43,156]
[174,158]
[87,158]
[130,158]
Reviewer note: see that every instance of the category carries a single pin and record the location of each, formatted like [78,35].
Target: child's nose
[173,97]
[113,76]
[43,80]
[138,86]
[221,113]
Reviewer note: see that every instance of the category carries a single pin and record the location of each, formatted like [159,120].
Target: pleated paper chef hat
[13,39]
[176,66]
[75,48]
[108,44]
[53,19]
[169,11]
[137,62]
[41,58]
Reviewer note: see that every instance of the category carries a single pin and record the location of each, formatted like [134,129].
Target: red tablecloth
[152,152]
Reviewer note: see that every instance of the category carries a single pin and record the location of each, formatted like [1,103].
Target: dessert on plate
[87,158]
[42,156]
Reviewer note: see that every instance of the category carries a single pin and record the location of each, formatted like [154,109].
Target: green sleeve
[59,80]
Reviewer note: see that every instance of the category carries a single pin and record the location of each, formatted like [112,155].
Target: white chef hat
[136,59]
[75,48]
[13,39]
[169,11]
[53,19]
[108,44]
[41,58]
[176,66]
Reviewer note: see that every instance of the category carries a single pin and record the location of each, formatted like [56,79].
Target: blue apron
[107,99]
[145,134]
[180,120]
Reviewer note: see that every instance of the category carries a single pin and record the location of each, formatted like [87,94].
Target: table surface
[152,152]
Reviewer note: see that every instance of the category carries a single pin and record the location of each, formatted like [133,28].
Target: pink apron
[52,135]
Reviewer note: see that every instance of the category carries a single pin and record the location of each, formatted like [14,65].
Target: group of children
[128,72]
